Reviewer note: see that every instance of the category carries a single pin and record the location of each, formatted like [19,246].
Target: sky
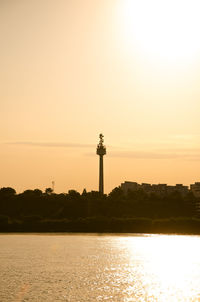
[71,69]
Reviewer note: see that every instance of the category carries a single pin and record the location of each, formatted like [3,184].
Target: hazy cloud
[187,154]
[52,144]
[164,153]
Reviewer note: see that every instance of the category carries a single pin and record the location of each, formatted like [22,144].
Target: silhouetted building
[129,185]
[101,151]
[181,188]
[195,189]
[160,189]
[146,187]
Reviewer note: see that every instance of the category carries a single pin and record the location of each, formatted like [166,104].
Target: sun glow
[163,29]
[169,266]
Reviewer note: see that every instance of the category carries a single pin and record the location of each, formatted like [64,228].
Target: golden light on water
[167,268]
[113,268]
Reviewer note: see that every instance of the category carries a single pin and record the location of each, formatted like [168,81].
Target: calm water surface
[75,268]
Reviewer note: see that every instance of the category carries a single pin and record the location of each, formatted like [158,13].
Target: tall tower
[101,151]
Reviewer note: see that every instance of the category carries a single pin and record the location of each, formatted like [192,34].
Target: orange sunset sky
[71,69]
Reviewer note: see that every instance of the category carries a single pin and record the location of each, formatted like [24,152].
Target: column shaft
[101,174]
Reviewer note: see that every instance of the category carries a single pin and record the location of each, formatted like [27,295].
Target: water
[75,268]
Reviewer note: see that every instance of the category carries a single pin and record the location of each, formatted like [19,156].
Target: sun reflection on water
[88,268]
[167,267]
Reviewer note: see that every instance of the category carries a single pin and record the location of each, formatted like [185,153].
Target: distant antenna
[53,186]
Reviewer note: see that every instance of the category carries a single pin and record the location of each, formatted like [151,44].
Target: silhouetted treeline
[137,211]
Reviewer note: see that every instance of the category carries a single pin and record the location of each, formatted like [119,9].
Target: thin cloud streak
[52,144]
[185,154]
[157,155]
[167,153]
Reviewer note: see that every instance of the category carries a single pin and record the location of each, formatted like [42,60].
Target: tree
[7,191]
[116,193]
[48,191]
[73,193]
[84,193]
[37,192]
